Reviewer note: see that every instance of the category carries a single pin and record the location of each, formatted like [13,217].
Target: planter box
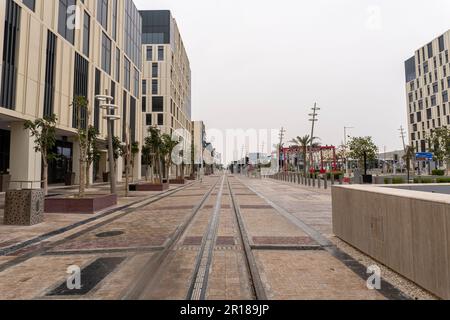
[24,207]
[149,187]
[177,181]
[402,227]
[4,182]
[88,205]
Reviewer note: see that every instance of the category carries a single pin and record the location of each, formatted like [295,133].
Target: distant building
[166,84]
[427,84]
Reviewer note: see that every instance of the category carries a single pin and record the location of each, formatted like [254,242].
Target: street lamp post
[313,120]
[106,104]
[347,164]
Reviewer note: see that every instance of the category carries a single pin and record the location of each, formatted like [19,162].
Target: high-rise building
[53,51]
[166,77]
[427,90]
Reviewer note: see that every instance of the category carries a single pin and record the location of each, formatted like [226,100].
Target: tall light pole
[347,164]
[282,132]
[106,104]
[313,120]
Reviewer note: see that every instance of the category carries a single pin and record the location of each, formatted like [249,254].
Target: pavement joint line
[388,290]
[107,212]
[281,248]
[252,266]
[42,250]
[153,265]
[103,251]
[198,288]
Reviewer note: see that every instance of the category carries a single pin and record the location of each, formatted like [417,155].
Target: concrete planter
[88,205]
[24,207]
[402,227]
[177,181]
[4,182]
[149,187]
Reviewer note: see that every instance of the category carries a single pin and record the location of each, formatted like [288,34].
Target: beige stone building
[427,90]
[53,51]
[166,83]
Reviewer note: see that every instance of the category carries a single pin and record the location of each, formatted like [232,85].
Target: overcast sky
[263,64]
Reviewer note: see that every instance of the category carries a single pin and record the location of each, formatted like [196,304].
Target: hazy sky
[263,64]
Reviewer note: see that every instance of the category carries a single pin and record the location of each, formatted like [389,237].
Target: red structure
[319,157]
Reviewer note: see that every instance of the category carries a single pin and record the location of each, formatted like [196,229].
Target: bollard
[325,182]
[341,180]
[298,178]
[319,182]
[332,179]
[314,180]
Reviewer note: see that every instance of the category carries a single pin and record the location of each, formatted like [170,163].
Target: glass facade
[156,27]
[410,69]
[133,27]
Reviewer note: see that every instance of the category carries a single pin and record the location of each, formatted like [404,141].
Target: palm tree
[409,155]
[304,143]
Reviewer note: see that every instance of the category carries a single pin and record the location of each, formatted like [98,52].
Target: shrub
[336,175]
[398,181]
[443,180]
[438,172]
[423,180]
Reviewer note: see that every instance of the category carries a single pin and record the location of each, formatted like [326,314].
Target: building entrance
[5,138]
[59,167]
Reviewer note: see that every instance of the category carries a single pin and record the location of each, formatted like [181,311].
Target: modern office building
[53,51]
[166,77]
[427,90]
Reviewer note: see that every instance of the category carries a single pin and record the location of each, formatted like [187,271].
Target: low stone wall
[406,230]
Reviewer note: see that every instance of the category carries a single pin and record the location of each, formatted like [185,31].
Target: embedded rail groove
[153,266]
[252,267]
[199,284]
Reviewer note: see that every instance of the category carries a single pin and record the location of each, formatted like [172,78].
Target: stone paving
[290,262]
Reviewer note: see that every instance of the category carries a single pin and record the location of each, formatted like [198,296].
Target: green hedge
[443,180]
[423,180]
[394,181]
[438,172]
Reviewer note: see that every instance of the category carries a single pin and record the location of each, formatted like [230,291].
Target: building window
[445,96]
[80,88]
[148,119]
[149,53]
[86,33]
[65,18]
[97,91]
[50,63]
[160,53]
[106,54]
[102,13]
[117,65]
[154,86]
[114,19]
[160,119]
[144,87]
[136,82]
[127,70]
[430,50]
[155,70]
[133,119]
[433,101]
[441,44]
[31,4]
[124,116]
[9,61]
[144,104]
[157,104]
